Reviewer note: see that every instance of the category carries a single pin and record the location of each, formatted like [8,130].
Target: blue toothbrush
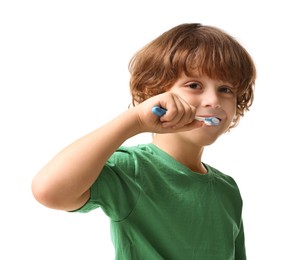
[159,111]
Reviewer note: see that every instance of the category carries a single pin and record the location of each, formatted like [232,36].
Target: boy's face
[211,97]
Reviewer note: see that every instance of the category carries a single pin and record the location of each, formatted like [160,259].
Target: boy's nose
[211,99]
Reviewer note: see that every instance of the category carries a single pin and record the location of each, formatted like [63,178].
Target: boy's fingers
[179,115]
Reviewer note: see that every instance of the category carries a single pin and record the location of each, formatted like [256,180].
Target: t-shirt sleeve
[240,250]
[115,190]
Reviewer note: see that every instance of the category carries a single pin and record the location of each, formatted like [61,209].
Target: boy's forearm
[65,181]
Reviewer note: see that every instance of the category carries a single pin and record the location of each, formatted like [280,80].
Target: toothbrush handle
[158,111]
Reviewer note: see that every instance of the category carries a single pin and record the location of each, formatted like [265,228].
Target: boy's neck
[185,153]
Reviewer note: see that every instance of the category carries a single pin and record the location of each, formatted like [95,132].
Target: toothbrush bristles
[209,120]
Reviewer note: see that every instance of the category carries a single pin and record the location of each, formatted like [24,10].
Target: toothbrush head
[211,121]
[214,121]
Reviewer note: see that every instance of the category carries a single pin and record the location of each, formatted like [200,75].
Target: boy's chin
[205,139]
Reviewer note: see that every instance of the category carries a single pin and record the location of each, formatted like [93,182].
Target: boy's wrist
[131,122]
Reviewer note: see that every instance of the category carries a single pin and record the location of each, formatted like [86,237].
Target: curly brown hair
[188,48]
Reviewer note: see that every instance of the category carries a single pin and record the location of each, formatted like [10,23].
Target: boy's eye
[194,86]
[225,89]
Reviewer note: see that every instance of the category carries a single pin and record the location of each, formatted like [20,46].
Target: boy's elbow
[44,194]
[49,195]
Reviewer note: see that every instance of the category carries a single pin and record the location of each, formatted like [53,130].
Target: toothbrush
[214,121]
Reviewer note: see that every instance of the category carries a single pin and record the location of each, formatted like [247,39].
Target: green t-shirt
[160,209]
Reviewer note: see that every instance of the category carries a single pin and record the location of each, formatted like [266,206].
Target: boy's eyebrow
[227,84]
[198,77]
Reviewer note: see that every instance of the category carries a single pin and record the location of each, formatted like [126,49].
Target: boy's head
[190,48]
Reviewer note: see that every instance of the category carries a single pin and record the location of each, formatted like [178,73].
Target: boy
[163,201]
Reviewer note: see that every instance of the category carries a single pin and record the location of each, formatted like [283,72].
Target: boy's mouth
[209,120]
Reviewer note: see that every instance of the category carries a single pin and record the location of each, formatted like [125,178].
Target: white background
[63,73]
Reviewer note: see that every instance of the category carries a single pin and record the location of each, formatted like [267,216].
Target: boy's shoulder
[223,179]
[130,155]
[137,150]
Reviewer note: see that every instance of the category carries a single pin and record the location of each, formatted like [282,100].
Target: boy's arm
[64,183]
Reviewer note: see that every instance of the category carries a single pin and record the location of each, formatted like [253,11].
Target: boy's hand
[179,116]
